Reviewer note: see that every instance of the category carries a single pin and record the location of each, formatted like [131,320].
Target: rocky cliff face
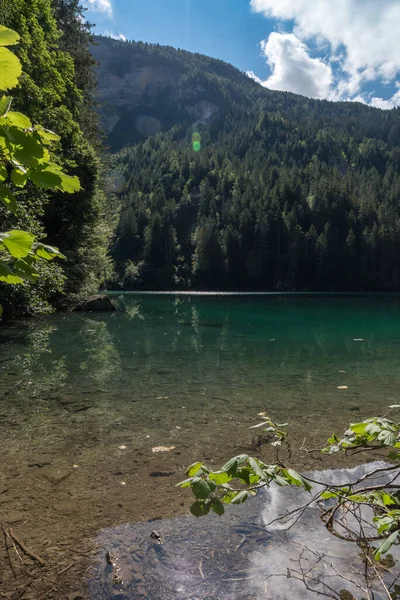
[140,94]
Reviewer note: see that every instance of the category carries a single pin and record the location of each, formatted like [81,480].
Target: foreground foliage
[56,90]
[24,158]
[244,476]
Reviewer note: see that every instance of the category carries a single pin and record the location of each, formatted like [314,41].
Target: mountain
[225,184]
[144,89]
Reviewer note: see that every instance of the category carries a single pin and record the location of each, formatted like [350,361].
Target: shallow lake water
[247,554]
[85,398]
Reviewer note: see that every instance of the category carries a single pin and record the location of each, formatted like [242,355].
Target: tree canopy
[270,191]
[55,90]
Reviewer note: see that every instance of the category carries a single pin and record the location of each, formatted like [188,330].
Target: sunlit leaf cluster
[240,478]
[243,476]
[25,159]
[371,432]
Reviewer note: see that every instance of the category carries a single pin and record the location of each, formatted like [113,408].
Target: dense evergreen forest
[57,90]
[265,190]
[202,178]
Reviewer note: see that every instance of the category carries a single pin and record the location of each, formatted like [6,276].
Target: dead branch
[26,550]
[8,551]
[66,568]
[47,593]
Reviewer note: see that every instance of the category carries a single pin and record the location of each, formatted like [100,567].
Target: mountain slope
[230,185]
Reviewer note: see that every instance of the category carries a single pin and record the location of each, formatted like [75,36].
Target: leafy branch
[24,159]
[243,476]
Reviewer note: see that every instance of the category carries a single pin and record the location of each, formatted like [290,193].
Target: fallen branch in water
[26,550]
[47,593]
[6,535]
[66,568]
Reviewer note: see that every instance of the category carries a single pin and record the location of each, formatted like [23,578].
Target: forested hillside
[230,185]
[220,183]
[56,90]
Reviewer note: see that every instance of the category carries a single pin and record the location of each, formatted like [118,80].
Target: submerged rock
[56,475]
[6,499]
[39,460]
[65,507]
[15,516]
[99,302]
[77,407]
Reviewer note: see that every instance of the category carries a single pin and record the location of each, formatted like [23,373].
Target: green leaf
[8,37]
[232,464]
[358,427]
[244,475]
[230,467]
[217,507]
[200,509]
[387,437]
[185,483]
[212,485]
[3,173]
[47,135]
[372,429]
[19,177]
[47,252]
[25,270]
[386,545]
[69,184]
[45,179]
[18,243]
[18,119]
[384,524]
[254,464]
[201,489]
[7,275]
[5,103]
[28,150]
[388,499]
[280,480]
[241,497]
[10,69]
[8,198]
[299,479]
[220,477]
[193,469]
[329,495]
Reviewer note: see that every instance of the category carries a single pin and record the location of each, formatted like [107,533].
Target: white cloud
[386,104]
[363,33]
[118,36]
[359,98]
[293,69]
[103,6]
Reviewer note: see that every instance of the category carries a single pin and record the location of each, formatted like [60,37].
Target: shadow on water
[237,556]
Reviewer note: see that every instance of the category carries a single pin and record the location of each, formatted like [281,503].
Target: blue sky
[335,49]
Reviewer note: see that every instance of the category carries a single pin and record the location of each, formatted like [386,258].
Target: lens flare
[196,141]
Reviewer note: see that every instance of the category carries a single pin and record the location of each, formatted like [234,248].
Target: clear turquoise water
[92,394]
[206,364]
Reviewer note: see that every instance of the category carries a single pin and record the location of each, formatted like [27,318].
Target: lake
[85,399]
